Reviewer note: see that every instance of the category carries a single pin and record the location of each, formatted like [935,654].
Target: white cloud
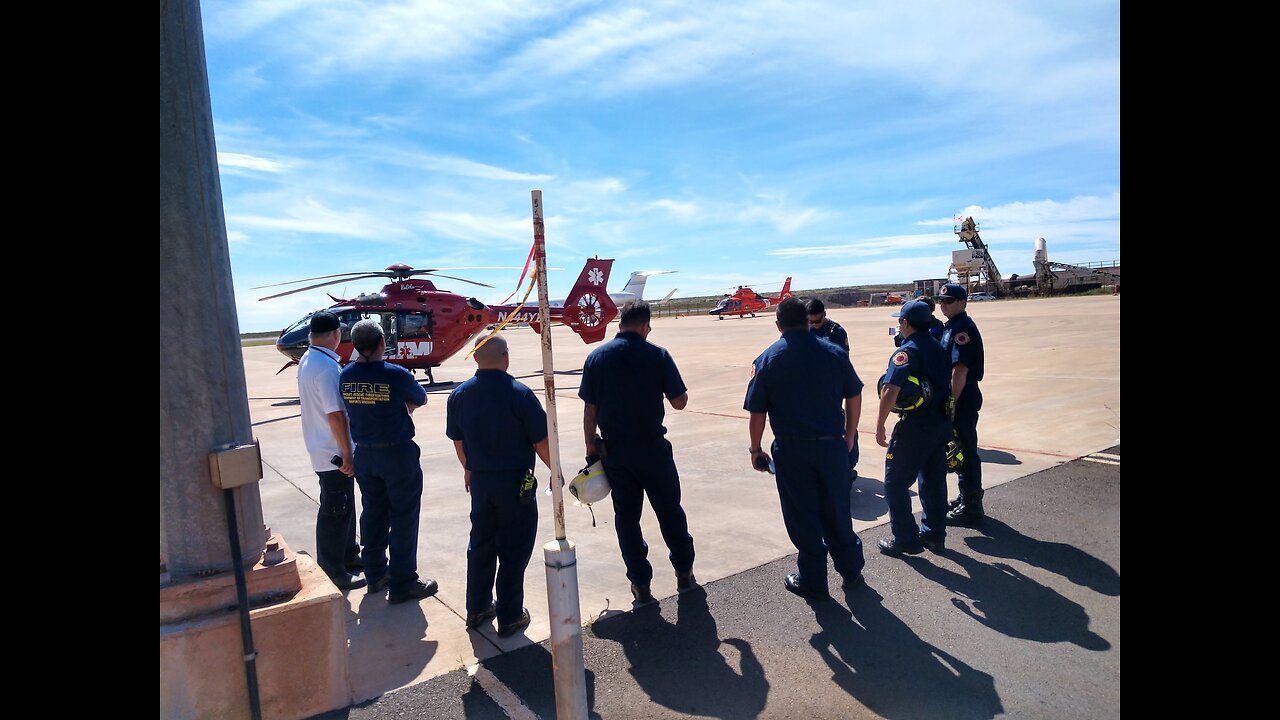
[680,209]
[1077,209]
[786,221]
[314,217]
[250,162]
[470,168]
[868,247]
[477,228]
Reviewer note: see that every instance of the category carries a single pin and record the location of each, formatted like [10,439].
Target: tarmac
[1020,619]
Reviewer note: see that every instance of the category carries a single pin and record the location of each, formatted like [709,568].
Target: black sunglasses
[946,301]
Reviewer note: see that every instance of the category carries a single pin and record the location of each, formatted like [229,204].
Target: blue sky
[735,142]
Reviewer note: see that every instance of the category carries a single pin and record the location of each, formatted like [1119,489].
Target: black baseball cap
[324,321]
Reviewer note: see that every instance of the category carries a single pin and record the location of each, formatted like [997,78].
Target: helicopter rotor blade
[319,285]
[366,273]
[436,274]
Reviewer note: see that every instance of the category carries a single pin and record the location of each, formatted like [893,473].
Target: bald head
[492,355]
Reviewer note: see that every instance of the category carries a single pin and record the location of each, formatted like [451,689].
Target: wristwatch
[755,450]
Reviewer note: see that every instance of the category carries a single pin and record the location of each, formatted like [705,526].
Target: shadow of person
[867,500]
[1001,540]
[529,673]
[885,666]
[1005,600]
[997,457]
[388,646]
[667,660]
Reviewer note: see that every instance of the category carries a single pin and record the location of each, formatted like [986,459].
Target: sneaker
[512,628]
[955,503]
[933,544]
[641,594]
[475,620]
[419,590]
[891,547]
[686,581]
[854,582]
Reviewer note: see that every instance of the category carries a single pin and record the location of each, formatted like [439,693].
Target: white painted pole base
[566,630]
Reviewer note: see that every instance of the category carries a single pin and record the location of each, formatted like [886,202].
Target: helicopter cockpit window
[414,325]
[723,304]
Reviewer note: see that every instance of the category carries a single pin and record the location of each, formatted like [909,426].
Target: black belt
[807,437]
[380,446]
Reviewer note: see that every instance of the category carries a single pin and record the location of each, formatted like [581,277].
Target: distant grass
[258,338]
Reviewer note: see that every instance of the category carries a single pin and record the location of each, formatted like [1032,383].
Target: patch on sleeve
[962,338]
[900,358]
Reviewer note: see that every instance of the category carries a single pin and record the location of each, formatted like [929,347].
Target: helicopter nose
[294,343]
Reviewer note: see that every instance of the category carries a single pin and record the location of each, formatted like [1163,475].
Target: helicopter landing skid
[431,381]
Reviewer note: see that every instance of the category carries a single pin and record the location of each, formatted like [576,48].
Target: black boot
[969,512]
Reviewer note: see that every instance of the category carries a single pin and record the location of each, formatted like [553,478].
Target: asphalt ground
[1019,618]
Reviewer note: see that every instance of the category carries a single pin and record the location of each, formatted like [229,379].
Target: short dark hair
[816,307]
[792,315]
[635,314]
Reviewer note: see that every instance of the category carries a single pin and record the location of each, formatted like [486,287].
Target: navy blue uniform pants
[814,487]
[635,471]
[970,471]
[503,531]
[391,495]
[336,523]
[917,451]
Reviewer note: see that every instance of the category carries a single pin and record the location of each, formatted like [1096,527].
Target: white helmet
[591,485]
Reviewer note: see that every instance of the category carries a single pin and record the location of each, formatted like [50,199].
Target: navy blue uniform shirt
[498,421]
[626,379]
[923,357]
[963,344]
[374,394]
[802,382]
[832,331]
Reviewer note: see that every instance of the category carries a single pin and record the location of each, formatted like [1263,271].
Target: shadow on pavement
[997,457]
[885,666]
[1005,600]
[868,501]
[1072,563]
[528,673]
[377,664]
[668,660]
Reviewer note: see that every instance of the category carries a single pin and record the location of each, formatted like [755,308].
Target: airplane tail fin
[665,298]
[588,309]
[635,284]
[786,291]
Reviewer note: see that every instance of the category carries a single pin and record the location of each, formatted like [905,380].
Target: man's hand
[466,480]
[851,441]
[347,467]
[760,461]
[881,437]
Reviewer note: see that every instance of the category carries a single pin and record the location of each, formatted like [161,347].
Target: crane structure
[973,267]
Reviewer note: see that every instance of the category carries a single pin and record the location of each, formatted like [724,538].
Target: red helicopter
[426,326]
[745,301]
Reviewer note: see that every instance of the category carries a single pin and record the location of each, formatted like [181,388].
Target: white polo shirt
[318,392]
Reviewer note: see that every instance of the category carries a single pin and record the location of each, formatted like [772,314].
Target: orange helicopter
[745,301]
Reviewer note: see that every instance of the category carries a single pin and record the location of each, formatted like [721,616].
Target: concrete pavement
[1052,393]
